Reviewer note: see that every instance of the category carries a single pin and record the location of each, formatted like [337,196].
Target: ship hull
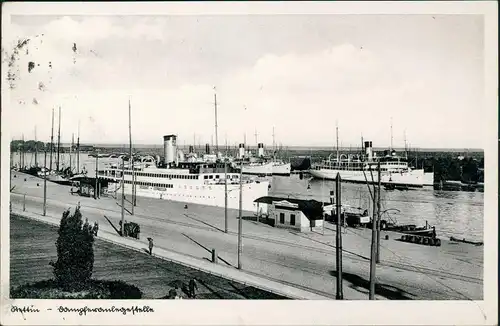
[211,195]
[413,179]
[258,169]
[281,169]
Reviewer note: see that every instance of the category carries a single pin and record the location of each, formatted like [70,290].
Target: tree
[75,252]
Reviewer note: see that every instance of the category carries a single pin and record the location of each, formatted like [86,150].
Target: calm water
[454,213]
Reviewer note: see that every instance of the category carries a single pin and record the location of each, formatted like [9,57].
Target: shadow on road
[329,245]
[203,222]
[125,208]
[210,251]
[387,291]
[112,225]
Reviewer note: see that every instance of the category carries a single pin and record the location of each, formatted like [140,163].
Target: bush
[75,252]
[49,289]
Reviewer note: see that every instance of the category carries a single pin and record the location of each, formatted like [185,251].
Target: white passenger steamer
[190,182]
[363,168]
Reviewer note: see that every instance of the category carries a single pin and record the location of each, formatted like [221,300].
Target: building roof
[311,208]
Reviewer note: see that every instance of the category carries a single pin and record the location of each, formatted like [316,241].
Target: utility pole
[123,197]
[378,214]
[240,216]
[52,140]
[58,140]
[71,152]
[225,196]
[22,154]
[131,160]
[373,263]
[340,294]
[216,135]
[78,150]
[45,183]
[96,176]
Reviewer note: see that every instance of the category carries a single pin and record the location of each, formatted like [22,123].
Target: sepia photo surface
[249,163]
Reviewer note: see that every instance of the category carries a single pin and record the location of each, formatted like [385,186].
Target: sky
[302,75]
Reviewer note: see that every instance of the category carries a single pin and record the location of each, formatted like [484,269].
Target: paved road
[32,247]
[278,254]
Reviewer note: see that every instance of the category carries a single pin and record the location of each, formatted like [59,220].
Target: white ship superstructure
[190,182]
[363,168]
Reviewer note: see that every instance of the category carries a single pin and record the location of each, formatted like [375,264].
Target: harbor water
[453,213]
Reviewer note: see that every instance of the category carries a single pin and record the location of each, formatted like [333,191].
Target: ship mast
[406,151]
[216,135]
[58,140]
[274,149]
[78,150]
[36,150]
[337,136]
[52,140]
[391,137]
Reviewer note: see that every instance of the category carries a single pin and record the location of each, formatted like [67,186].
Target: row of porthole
[190,196]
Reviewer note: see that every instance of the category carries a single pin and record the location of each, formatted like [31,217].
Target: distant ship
[190,182]
[363,168]
[261,165]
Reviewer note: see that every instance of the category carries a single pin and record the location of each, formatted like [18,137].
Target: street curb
[205,269]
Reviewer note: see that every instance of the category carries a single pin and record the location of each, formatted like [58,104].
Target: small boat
[478,243]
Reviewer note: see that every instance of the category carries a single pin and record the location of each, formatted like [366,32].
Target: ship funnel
[207,149]
[241,150]
[191,149]
[369,150]
[170,148]
[260,150]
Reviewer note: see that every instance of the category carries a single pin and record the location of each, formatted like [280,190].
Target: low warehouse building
[291,213]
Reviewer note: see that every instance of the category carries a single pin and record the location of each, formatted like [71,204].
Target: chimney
[260,151]
[369,150]
[241,150]
[207,149]
[169,148]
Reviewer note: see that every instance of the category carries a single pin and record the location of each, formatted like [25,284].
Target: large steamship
[191,182]
[363,168]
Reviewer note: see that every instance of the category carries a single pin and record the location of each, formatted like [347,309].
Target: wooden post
[340,294]
[45,183]
[52,140]
[225,196]
[123,197]
[96,177]
[24,203]
[373,246]
[240,216]
[378,214]
[78,151]
[214,256]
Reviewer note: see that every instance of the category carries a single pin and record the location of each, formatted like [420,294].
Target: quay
[301,261]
